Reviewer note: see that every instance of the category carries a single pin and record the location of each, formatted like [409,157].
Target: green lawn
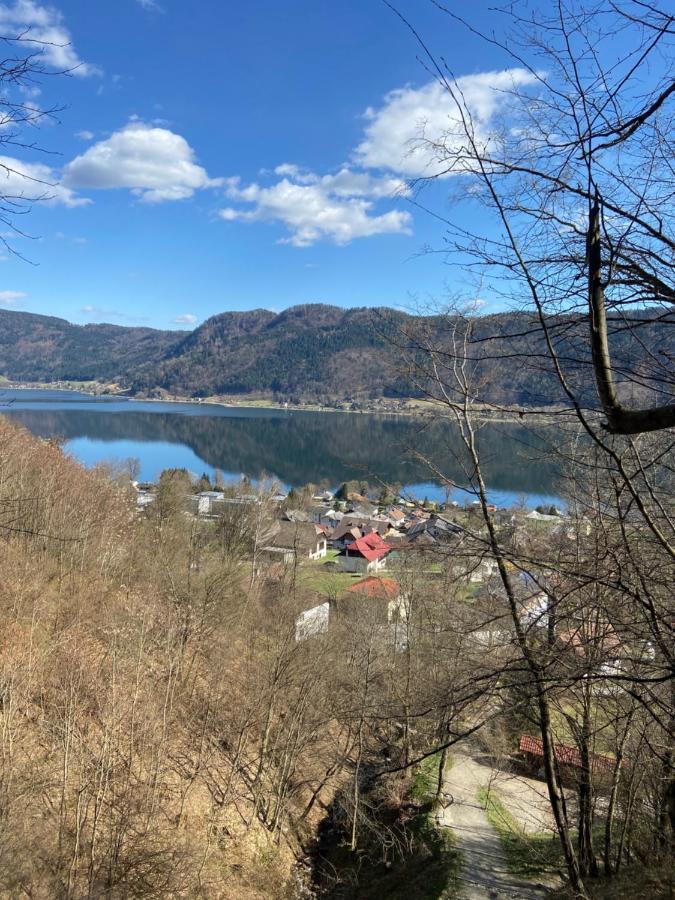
[330,580]
[425,781]
[326,580]
[331,556]
[604,714]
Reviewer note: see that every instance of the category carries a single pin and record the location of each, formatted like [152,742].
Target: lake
[296,447]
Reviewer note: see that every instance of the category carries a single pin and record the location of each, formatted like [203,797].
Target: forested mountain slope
[321,352]
[45,348]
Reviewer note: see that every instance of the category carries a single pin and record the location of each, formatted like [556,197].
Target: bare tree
[576,191]
[22,70]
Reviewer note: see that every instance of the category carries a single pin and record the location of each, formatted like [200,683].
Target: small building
[382,596]
[436,528]
[282,556]
[351,528]
[144,499]
[332,518]
[396,516]
[312,621]
[323,497]
[344,534]
[567,758]
[363,509]
[209,503]
[367,554]
[301,539]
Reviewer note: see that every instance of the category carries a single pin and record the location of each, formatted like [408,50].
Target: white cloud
[185,319]
[85,135]
[45,34]
[150,5]
[154,163]
[337,207]
[61,236]
[10,299]
[30,182]
[398,134]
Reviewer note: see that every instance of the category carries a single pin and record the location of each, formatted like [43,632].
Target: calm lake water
[294,447]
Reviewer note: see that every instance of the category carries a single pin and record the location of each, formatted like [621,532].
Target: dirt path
[485,874]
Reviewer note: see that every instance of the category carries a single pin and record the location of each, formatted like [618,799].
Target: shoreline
[545,416]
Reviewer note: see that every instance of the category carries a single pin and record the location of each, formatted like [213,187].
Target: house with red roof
[380,598]
[366,554]
[568,758]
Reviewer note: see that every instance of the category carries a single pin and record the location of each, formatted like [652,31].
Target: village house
[323,516]
[362,508]
[299,540]
[352,528]
[435,529]
[144,499]
[208,503]
[396,516]
[367,554]
[323,497]
[382,597]
[473,569]
[344,534]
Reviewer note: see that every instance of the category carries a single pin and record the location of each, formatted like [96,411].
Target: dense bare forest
[165,733]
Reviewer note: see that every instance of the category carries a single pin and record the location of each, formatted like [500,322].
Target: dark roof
[344,529]
[295,536]
[363,523]
[436,527]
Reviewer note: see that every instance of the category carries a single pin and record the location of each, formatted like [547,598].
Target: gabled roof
[295,535]
[376,588]
[434,525]
[345,529]
[371,547]
[567,756]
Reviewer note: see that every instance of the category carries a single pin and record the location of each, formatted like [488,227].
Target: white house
[209,503]
[303,539]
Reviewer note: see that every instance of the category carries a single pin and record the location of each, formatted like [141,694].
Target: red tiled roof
[566,756]
[599,637]
[371,547]
[375,588]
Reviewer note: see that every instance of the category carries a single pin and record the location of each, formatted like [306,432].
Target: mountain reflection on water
[295,447]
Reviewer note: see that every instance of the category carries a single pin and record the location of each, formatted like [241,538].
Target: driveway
[485,874]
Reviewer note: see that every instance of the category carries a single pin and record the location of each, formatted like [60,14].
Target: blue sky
[220,155]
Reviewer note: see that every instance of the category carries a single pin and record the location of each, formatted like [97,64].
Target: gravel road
[485,874]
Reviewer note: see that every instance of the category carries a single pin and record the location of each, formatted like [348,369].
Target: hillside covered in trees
[316,352]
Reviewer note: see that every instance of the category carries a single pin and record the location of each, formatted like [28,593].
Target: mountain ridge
[308,352]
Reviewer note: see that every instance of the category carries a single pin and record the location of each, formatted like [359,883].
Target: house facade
[366,554]
[303,540]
